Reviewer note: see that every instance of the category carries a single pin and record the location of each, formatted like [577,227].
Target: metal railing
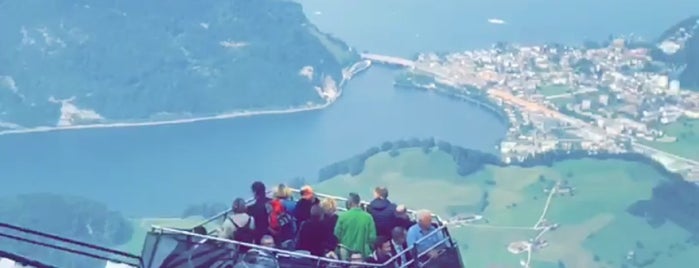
[20,235]
[446,242]
[440,229]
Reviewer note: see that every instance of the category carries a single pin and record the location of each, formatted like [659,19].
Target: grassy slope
[597,211]
[687,144]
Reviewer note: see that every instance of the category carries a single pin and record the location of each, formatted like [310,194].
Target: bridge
[388,60]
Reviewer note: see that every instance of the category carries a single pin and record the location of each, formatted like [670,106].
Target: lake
[157,171]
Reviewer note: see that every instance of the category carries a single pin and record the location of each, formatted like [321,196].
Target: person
[402,218]
[313,236]
[398,245]
[355,228]
[268,241]
[303,206]
[383,212]
[329,220]
[282,224]
[420,230]
[284,194]
[258,210]
[238,225]
[382,252]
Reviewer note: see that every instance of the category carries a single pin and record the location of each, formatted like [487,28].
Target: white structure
[604,99]
[117,265]
[674,86]
[585,104]
[662,81]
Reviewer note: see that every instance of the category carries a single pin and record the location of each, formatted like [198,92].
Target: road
[587,131]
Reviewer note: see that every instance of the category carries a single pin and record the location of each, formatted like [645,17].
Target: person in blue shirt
[419,232]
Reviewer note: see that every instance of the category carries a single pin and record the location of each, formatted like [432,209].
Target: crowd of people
[372,233]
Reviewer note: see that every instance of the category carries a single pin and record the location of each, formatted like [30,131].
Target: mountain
[67,216]
[679,46]
[82,62]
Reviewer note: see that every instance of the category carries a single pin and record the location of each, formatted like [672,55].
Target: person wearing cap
[302,212]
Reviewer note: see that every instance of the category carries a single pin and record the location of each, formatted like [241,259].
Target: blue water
[157,171]
[404,27]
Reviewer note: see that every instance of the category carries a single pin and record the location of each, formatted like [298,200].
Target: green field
[687,143]
[595,230]
[551,90]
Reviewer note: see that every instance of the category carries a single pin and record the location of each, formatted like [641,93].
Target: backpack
[279,219]
[243,233]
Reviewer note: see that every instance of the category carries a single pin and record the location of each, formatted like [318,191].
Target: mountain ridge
[117,61]
[679,46]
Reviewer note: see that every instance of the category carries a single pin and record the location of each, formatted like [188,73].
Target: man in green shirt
[355,228]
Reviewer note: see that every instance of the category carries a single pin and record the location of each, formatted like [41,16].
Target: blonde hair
[329,205]
[282,191]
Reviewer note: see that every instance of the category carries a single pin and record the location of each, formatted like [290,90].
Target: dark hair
[239,206]
[354,199]
[258,189]
[317,213]
[397,231]
[380,240]
[199,230]
[382,192]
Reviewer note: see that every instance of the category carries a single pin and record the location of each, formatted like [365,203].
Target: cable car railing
[182,248]
[153,257]
[30,241]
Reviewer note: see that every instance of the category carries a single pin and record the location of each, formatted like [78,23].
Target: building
[662,81]
[604,99]
[585,105]
[674,86]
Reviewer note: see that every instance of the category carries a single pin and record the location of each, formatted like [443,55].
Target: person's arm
[372,230]
[411,237]
[339,228]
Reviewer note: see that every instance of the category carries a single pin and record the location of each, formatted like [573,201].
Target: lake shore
[352,71]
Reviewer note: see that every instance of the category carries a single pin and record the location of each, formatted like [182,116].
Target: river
[158,170]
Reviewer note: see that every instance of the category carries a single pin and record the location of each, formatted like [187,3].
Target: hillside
[67,216]
[600,220]
[125,61]
[679,46]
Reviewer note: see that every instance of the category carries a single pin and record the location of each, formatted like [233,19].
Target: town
[610,98]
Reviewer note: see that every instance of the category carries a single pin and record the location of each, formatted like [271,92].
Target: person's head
[239,206]
[382,245]
[316,213]
[353,200]
[424,219]
[398,235]
[329,206]
[258,189]
[267,241]
[381,192]
[282,192]
[307,192]
[199,230]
